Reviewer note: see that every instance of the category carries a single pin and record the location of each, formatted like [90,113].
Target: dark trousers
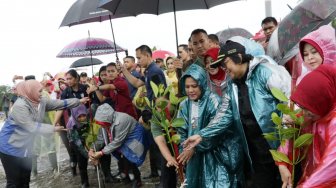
[105,162]
[82,165]
[168,177]
[131,168]
[17,170]
[154,158]
[264,176]
[127,167]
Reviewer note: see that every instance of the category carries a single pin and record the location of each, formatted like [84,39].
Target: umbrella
[304,18]
[89,47]
[86,61]
[87,11]
[225,34]
[161,54]
[122,8]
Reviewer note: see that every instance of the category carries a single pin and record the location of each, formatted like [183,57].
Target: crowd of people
[226,113]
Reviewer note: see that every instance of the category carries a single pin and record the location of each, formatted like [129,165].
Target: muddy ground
[64,179]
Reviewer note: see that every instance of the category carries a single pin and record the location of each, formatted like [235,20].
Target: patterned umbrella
[304,18]
[225,34]
[87,11]
[89,47]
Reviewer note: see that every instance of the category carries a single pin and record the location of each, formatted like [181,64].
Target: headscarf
[198,74]
[213,53]
[75,113]
[30,90]
[317,90]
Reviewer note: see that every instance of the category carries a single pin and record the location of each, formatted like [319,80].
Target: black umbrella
[123,8]
[87,11]
[86,61]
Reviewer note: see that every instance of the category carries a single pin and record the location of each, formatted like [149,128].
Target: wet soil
[64,179]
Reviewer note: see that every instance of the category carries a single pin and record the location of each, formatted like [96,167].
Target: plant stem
[294,162]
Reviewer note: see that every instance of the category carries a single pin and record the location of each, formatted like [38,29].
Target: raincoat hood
[324,40]
[317,90]
[105,113]
[75,113]
[251,47]
[198,74]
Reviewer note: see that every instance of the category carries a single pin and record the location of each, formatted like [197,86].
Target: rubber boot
[53,160]
[34,166]
[73,166]
[84,179]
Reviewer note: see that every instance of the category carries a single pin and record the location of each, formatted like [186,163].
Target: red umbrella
[161,54]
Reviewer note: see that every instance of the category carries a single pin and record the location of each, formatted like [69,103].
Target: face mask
[83,123]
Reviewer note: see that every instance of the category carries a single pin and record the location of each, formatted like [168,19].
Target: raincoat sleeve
[21,114]
[183,130]
[121,131]
[61,104]
[324,174]
[208,144]
[75,139]
[221,121]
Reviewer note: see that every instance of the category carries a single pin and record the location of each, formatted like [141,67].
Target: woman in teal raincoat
[216,162]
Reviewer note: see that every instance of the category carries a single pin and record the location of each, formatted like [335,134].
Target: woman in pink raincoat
[316,48]
[316,95]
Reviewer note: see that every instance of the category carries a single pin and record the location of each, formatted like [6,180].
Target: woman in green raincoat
[216,162]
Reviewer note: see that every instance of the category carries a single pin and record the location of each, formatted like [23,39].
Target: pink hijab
[30,90]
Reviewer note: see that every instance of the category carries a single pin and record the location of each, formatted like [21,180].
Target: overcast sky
[31,37]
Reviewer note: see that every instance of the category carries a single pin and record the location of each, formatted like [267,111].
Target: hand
[185,156]
[91,88]
[287,120]
[178,64]
[59,129]
[192,142]
[172,162]
[120,67]
[84,100]
[286,176]
[91,154]
[97,155]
